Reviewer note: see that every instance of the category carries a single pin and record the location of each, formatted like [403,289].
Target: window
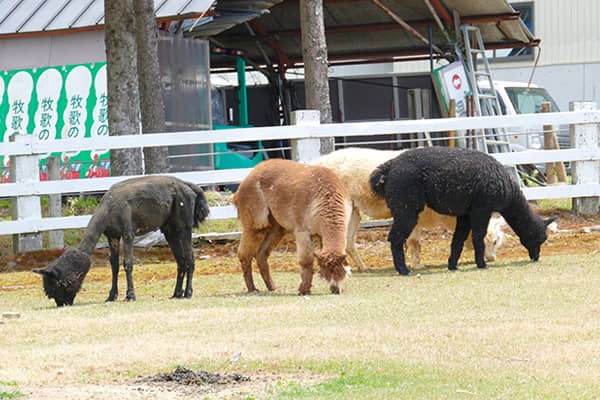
[529,100]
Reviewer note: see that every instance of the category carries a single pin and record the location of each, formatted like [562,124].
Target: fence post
[585,136]
[555,171]
[25,170]
[306,150]
[55,238]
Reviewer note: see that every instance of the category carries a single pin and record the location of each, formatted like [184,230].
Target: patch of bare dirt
[181,384]
[184,376]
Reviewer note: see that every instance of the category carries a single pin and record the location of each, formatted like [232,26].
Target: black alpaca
[465,183]
[132,207]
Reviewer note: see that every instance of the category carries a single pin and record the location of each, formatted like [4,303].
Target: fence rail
[304,137]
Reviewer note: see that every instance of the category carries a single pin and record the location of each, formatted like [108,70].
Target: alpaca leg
[351,240]
[401,228]
[128,265]
[405,203]
[306,259]
[271,240]
[249,245]
[188,256]
[414,247]
[463,226]
[114,245]
[175,242]
[479,224]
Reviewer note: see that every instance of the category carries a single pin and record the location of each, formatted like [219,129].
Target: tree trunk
[152,107]
[123,94]
[314,54]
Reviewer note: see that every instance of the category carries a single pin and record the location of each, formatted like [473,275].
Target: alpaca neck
[333,242]
[520,217]
[92,233]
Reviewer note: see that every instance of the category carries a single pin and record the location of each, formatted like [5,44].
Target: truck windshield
[529,100]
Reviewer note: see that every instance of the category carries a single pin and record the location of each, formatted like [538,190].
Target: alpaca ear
[550,220]
[45,271]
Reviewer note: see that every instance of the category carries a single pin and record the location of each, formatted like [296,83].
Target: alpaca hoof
[177,294]
[303,292]
[130,297]
[188,295]
[404,272]
[335,289]
[253,290]
[452,268]
[484,266]
[111,297]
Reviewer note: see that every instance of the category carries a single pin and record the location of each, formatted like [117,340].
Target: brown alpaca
[280,196]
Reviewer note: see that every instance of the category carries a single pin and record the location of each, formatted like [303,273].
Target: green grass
[519,330]
[389,381]
[9,390]
[561,204]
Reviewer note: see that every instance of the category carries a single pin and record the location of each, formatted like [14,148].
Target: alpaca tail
[378,177]
[201,208]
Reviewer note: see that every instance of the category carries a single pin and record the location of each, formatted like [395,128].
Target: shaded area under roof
[30,17]
[360,31]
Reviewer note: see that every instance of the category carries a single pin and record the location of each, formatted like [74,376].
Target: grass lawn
[518,330]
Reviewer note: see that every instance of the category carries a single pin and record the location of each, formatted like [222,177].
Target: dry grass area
[517,330]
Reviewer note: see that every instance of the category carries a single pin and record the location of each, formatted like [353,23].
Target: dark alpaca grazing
[133,207]
[63,277]
[465,183]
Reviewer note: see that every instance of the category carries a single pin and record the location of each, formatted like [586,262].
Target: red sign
[456,81]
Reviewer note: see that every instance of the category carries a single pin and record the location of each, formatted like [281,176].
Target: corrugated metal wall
[569,30]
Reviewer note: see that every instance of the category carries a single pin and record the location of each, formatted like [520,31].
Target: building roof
[268,31]
[20,17]
[360,31]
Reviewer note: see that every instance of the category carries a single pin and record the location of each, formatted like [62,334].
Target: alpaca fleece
[460,182]
[280,196]
[135,207]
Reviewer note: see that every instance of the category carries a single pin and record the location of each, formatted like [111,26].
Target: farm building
[567,60]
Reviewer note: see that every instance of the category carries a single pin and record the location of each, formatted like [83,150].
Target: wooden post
[555,171]
[55,238]
[306,150]
[585,136]
[25,170]
[451,114]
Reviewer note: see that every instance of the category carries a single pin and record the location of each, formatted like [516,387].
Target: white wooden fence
[304,136]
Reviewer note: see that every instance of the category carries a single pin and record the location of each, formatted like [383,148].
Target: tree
[123,99]
[314,54]
[150,86]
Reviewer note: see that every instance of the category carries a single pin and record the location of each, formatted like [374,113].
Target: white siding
[569,31]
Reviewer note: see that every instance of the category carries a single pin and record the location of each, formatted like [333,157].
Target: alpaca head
[535,237]
[333,268]
[63,277]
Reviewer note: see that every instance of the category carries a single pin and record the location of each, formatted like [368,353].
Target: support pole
[242,90]
[55,238]
[406,26]
[585,136]
[451,114]
[555,171]
[25,170]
